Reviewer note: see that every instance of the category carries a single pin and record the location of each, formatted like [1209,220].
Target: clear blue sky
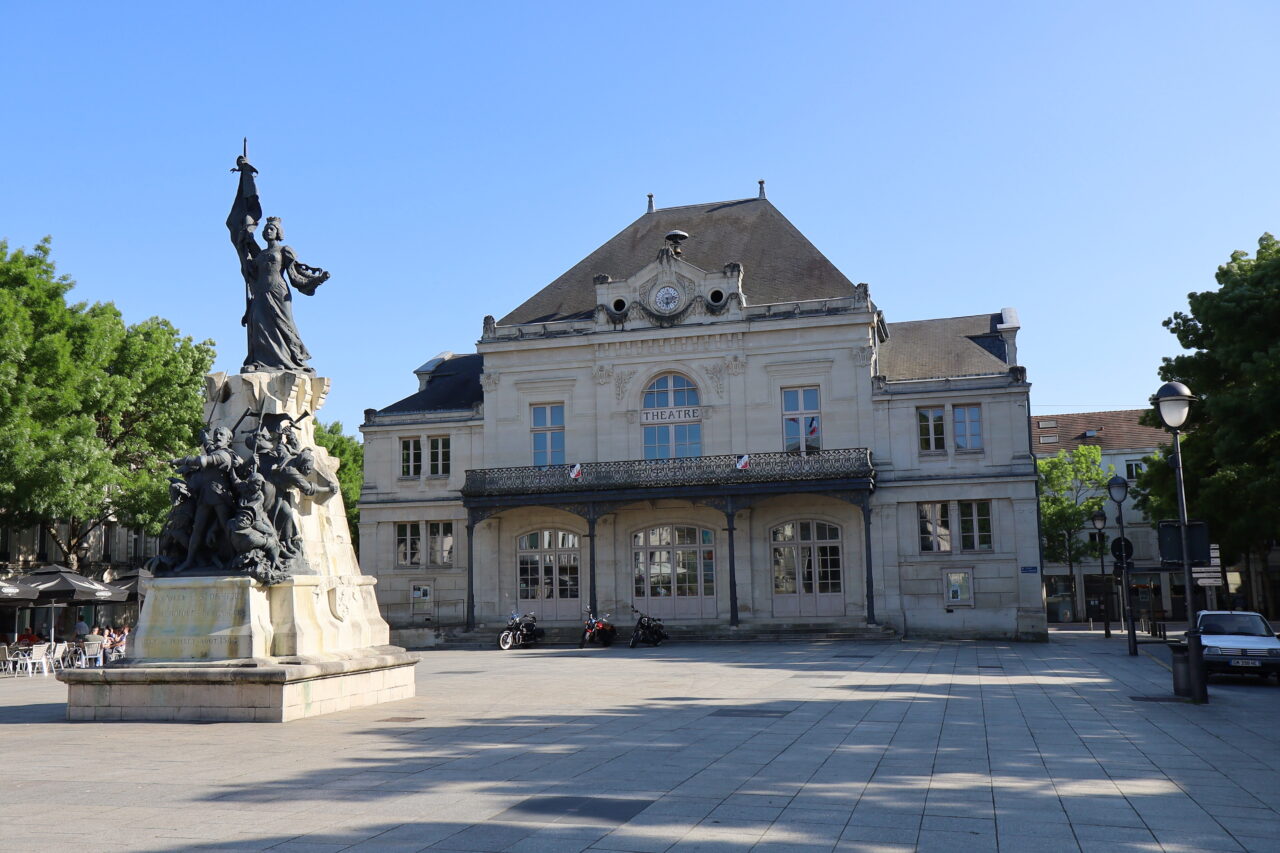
[1086,163]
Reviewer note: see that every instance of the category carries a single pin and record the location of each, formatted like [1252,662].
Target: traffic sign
[1122,548]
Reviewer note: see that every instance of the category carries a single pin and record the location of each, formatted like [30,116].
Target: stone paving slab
[952,746]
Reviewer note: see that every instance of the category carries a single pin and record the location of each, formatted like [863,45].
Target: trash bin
[1181,669]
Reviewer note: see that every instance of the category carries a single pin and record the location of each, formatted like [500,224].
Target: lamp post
[1118,490]
[1173,402]
[1099,520]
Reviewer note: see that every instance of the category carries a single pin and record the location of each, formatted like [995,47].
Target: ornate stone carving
[489,382]
[602,374]
[490,326]
[621,379]
[715,372]
[862,356]
[736,365]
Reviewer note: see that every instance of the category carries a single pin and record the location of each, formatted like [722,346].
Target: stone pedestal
[230,648]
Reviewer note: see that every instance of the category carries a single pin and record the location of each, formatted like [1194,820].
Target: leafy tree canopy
[1231,451]
[1072,488]
[350,453]
[91,410]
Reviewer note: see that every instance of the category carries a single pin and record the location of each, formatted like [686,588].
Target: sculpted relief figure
[274,342]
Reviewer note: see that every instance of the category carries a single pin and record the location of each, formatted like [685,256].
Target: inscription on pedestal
[203,619]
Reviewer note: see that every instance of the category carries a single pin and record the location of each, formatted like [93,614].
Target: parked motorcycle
[648,630]
[597,630]
[521,630]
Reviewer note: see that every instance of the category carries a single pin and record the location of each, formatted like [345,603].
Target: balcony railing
[848,463]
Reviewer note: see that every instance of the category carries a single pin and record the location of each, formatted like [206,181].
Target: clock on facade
[666,299]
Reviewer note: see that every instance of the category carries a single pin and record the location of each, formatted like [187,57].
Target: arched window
[806,558]
[673,561]
[671,418]
[548,563]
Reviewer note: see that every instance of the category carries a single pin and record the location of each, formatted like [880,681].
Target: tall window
[935,526]
[439,462]
[408,543]
[975,525]
[801,420]
[967,421]
[548,562]
[930,421]
[806,558]
[672,394]
[548,434]
[440,543]
[410,457]
[677,560]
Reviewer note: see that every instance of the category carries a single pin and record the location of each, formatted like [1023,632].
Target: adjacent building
[705,420]
[1077,593]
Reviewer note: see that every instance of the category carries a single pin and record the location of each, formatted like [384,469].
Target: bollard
[1198,679]
[1181,668]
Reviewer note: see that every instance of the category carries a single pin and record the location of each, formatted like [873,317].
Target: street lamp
[1118,490]
[1099,520]
[1173,402]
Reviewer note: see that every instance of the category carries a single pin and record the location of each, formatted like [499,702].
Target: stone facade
[835,448]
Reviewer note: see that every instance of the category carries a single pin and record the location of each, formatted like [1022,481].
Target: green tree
[1231,450]
[350,453]
[91,410]
[1072,488]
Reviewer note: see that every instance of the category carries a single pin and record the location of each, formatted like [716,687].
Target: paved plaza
[949,746]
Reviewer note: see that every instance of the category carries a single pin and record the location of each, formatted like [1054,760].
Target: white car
[1238,642]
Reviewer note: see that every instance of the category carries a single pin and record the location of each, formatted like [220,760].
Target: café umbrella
[15,595]
[59,585]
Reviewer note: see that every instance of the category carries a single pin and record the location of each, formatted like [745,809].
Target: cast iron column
[591,558]
[1128,585]
[729,511]
[865,505]
[471,574]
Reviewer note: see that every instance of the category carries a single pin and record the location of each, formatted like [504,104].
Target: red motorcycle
[597,630]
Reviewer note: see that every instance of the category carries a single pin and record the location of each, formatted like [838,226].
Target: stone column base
[239,691]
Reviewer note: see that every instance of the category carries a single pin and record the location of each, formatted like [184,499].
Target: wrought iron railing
[841,464]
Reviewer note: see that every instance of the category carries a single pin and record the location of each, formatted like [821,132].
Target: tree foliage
[350,452]
[91,410]
[1072,488]
[1231,450]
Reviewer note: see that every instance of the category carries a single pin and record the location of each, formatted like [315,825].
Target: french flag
[576,471]
[743,463]
[813,426]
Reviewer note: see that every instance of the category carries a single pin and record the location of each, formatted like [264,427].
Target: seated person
[28,636]
[81,628]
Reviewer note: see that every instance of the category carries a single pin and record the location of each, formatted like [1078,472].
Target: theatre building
[704,419]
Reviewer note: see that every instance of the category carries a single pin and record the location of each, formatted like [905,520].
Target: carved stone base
[273,693]
[203,619]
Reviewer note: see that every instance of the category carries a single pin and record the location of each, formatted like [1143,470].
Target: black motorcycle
[597,630]
[648,630]
[521,630]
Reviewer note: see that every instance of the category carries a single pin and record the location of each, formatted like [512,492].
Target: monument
[258,610]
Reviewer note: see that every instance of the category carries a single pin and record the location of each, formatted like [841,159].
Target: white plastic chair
[91,654]
[58,657]
[6,662]
[39,656]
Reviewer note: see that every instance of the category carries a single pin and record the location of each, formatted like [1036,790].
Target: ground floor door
[673,569]
[549,575]
[808,569]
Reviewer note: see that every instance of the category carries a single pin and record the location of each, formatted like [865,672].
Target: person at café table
[28,637]
[96,635]
[82,628]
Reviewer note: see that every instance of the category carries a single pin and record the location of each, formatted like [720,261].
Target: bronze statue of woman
[274,342]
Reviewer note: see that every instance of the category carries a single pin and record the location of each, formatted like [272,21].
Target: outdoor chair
[58,657]
[39,656]
[90,655]
[6,662]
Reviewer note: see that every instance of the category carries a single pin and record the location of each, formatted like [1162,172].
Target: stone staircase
[748,632]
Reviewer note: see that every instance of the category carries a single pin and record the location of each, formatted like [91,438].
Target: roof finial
[650,210]
[761,182]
